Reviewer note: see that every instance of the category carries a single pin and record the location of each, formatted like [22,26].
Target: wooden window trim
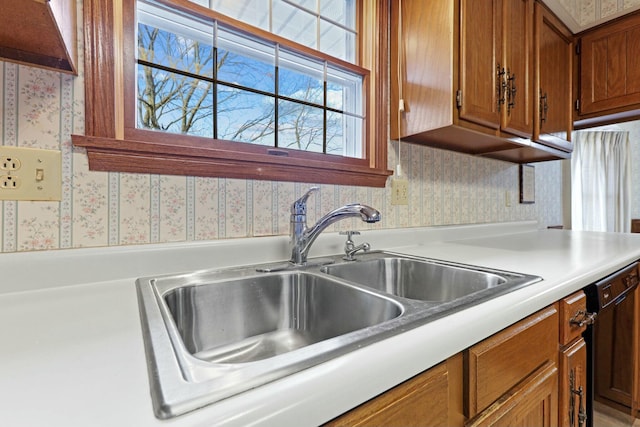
[112,145]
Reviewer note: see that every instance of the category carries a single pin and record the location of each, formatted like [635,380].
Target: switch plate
[399,191]
[30,174]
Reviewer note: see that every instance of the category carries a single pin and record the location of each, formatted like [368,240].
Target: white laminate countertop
[73,354]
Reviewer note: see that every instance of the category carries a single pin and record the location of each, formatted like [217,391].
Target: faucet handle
[350,248]
[349,233]
[299,207]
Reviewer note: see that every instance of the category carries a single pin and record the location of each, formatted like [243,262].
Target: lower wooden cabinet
[573,385]
[432,399]
[513,375]
[573,392]
[506,359]
[509,379]
[533,402]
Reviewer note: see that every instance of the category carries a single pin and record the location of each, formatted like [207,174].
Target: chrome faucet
[302,237]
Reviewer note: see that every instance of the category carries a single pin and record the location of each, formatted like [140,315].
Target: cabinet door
[517,111]
[422,66]
[421,401]
[533,402]
[40,33]
[554,54]
[610,67]
[480,61]
[573,384]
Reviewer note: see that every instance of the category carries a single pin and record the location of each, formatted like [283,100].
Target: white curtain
[601,181]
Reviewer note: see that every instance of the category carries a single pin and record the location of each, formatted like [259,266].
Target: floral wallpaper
[43,109]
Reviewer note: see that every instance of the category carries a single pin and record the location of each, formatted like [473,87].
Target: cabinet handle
[544,106]
[582,412]
[501,86]
[511,91]
[572,402]
[583,318]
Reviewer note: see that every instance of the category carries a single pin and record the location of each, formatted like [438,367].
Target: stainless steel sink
[255,318]
[417,279]
[212,334]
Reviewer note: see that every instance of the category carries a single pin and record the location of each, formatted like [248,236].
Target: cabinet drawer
[498,363]
[573,307]
[533,402]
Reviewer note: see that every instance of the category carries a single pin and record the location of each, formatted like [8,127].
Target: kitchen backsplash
[42,109]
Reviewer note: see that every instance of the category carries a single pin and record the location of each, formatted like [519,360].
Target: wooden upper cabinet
[480,62]
[40,33]
[496,43]
[610,67]
[464,69]
[425,72]
[517,109]
[553,89]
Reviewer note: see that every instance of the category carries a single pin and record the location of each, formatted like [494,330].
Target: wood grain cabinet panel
[553,90]
[573,309]
[39,33]
[500,362]
[517,110]
[513,375]
[573,393]
[530,403]
[481,58]
[508,379]
[430,399]
[610,67]
[573,384]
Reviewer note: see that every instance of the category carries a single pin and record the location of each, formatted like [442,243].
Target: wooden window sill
[109,154]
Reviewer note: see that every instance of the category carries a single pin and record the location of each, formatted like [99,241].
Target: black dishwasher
[602,298]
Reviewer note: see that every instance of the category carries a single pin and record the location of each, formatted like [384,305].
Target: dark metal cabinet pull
[583,318]
[511,91]
[501,86]
[544,107]
[582,412]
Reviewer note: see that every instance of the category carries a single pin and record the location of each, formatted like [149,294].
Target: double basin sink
[213,334]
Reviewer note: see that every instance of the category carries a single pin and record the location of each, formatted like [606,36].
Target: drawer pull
[583,318]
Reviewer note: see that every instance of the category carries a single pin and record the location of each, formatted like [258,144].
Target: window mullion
[276,100]
[215,79]
[325,106]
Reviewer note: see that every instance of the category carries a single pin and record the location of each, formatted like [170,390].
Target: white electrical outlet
[399,191]
[30,174]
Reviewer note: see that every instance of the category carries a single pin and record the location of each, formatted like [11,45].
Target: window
[195,92]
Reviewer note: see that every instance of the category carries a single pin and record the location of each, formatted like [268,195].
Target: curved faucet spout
[303,237]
